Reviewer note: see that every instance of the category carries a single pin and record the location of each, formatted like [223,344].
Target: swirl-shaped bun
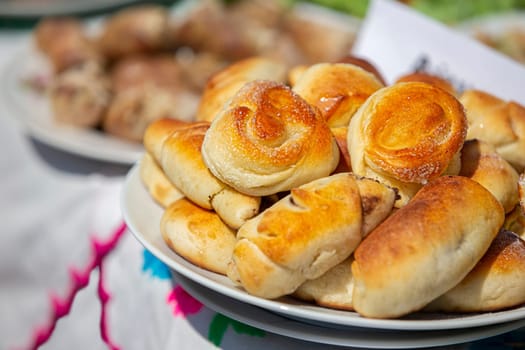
[267,140]
[337,89]
[406,134]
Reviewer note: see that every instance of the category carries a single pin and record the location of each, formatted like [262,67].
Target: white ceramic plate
[142,215]
[32,109]
[348,336]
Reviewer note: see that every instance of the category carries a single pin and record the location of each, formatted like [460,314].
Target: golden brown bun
[198,235]
[334,288]
[268,140]
[223,85]
[181,161]
[481,163]
[158,131]
[156,182]
[336,89]
[497,281]
[305,234]
[429,79]
[425,248]
[407,144]
[497,122]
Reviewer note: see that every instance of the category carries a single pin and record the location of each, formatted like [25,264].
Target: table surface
[73,277]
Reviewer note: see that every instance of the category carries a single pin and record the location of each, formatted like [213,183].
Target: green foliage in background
[449,11]
[353,7]
[452,11]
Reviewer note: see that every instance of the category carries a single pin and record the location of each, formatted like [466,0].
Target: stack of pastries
[325,184]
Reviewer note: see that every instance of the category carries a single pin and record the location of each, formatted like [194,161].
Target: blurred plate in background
[32,110]
[37,8]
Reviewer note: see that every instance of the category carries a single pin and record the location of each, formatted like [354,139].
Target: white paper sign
[399,40]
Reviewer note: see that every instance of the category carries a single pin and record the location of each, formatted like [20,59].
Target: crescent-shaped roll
[481,163]
[158,131]
[267,140]
[198,235]
[334,288]
[425,248]
[336,89]
[182,163]
[156,182]
[498,122]
[306,233]
[497,281]
[221,87]
[407,134]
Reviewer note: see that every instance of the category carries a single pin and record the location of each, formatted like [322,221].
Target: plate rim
[256,317]
[311,313]
[15,10]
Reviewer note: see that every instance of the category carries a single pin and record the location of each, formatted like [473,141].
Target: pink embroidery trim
[80,279]
[183,303]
